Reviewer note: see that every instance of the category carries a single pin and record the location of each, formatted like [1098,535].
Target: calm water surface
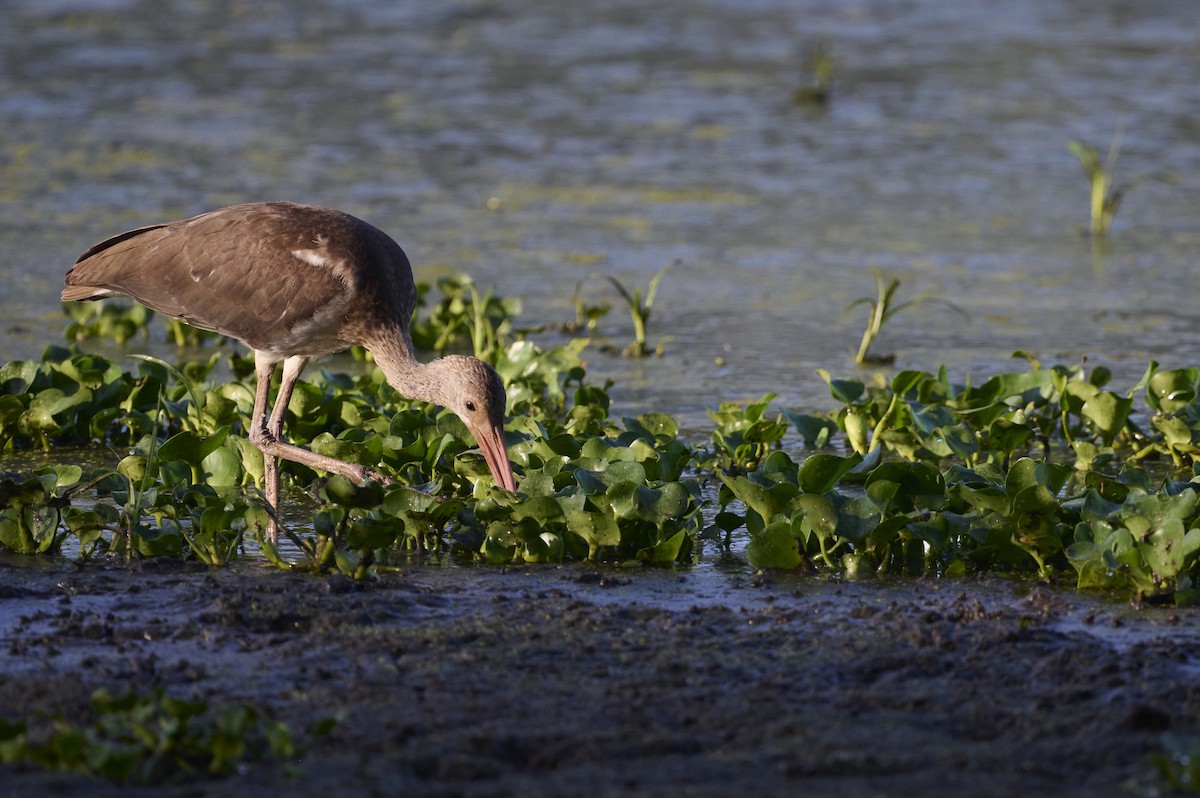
[536,144]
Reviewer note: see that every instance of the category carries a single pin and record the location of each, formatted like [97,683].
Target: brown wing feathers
[231,270]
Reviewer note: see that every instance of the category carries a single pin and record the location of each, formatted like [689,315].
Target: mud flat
[572,681]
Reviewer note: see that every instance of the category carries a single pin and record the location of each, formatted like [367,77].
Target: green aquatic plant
[31,508]
[745,435]
[883,308]
[462,316]
[818,90]
[1104,196]
[154,739]
[183,334]
[639,310]
[1178,764]
[114,320]
[587,317]
[1040,470]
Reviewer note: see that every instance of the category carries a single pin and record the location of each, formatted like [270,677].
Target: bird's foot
[362,474]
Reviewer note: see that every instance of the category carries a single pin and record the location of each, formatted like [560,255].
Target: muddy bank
[566,681]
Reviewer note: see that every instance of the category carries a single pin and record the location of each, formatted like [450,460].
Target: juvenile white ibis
[294,282]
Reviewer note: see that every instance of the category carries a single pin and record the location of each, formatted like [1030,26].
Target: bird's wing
[268,274]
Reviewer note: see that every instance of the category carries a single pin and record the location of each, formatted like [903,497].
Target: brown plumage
[294,282]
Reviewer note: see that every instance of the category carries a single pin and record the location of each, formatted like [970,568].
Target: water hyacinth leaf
[537,484]
[774,547]
[1108,413]
[622,497]
[619,471]
[818,516]
[341,491]
[1098,552]
[928,419]
[981,499]
[165,540]
[1027,472]
[961,440]
[845,391]
[821,472]
[1135,477]
[192,448]
[655,425]
[400,500]
[903,487]
[815,431]
[1037,500]
[1005,435]
[589,482]
[857,517]
[1165,549]
[779,467]
[908,446]
[666,551]
[562,445]
[658,505]
[1158,509]
[596,529]
[1179,439]
[27,522]
[133,467]
[369,534]
[368,451]
[543,547]
[766,501]
[59,476]
[1097,508]
[16,376]
[251,460]
[672,460]
[223,466]
[543,510]
[1172,390]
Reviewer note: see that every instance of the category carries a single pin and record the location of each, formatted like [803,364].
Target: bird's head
[475,392]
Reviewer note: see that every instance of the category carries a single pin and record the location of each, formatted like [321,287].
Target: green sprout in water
[1105,198]
[587,317]
[817,93]
[883,308]
[639,311]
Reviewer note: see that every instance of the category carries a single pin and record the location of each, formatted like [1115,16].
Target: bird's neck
[410,377]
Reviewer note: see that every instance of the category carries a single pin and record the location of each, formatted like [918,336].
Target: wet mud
[570,681]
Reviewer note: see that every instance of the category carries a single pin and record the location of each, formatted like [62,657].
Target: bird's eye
[471,406]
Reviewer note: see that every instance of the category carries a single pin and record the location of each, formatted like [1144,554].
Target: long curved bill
[491,443]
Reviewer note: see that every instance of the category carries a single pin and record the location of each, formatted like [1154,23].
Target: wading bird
[294,282]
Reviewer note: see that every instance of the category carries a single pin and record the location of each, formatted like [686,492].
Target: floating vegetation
[1043,470]
[153,739]
[1178,764]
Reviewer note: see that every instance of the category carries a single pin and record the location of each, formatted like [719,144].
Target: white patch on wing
[311,256]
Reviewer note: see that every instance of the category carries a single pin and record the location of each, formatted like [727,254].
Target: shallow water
[535,145]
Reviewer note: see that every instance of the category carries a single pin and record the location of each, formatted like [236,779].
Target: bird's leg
[264,371]
[266,433]
[274,428]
